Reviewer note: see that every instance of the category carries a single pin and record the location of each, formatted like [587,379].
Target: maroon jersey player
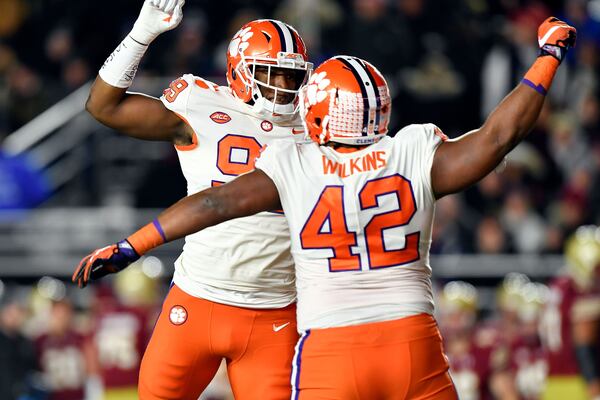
[63,356]
[570,320]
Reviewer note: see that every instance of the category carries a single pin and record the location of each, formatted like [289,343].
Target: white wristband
[120,67]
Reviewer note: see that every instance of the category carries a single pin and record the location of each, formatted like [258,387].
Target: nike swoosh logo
[280,327]
[542,40]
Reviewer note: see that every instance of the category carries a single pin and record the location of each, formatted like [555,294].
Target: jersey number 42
[330,212]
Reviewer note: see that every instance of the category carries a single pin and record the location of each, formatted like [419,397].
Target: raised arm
[461,162]
[246,195]
[133,114]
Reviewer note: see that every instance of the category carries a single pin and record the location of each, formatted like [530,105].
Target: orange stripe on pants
[183,357]
[398,359]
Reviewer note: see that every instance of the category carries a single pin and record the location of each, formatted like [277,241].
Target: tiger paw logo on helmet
[315,90]
[240,41]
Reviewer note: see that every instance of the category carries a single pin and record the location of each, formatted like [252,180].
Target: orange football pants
[390,360]
[192,336]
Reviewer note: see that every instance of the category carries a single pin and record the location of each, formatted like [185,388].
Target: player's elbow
[94,109]
[506,133]
[501,138]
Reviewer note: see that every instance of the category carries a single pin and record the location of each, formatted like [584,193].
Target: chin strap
[281,109]
[277,113]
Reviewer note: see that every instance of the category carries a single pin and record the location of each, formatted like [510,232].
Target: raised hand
[555,37]
[156,17]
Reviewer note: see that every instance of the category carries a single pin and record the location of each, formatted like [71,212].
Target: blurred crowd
[61,343]
[57,345]
[448,62]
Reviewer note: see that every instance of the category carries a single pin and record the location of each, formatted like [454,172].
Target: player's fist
[555,37]
[156,17]
[104,261]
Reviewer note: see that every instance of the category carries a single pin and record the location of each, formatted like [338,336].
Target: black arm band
[587,358]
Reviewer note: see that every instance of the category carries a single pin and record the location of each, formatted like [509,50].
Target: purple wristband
[538,88]
[159,229]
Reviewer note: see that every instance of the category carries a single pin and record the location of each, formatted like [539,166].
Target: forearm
[183,218]
[246,195]
[461,162]
[193,213]
[189,215]
[516,115]
[510,122]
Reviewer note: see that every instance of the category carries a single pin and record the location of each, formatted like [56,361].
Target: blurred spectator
[12,13]
[589,115]
[27,96]
[475,362]
[569,325]
[189,53]
[372,33]
[451,233]
[568,148]
[65,357]
[506,325]
[17,356]
[58,49]
[75,73]
[317,20]
[123,319]
[525,226]
[527,359]
[490,238]
[486,196]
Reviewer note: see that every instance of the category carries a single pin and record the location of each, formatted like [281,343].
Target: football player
[527,359]
[570,322]
[233,292]
[65,356]
[360,208]
[476,365]
[122,322]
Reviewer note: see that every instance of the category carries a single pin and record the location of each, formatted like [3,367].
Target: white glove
[156,17]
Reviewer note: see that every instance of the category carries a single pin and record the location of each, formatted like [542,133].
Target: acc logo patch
[266,126]
[220,117]
[178,315]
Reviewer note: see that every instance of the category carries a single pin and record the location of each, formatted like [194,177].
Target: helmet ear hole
[233,74]
[318,121]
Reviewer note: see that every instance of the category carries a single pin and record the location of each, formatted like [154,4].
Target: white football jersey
[360,226]
[244,262]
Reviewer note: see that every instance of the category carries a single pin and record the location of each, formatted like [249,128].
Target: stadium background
[69,185]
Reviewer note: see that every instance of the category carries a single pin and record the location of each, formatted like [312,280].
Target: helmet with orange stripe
[258,51]
[346,101]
